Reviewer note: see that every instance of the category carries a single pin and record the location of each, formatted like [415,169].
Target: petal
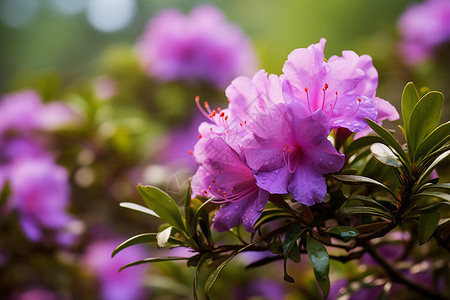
[274,181]
[324,158]
[30,228]
[254,210]
[385,110]
[230,215]
[307,186]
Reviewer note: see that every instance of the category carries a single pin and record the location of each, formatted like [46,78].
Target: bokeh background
[133,129]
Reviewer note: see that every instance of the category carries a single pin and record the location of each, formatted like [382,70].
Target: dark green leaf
[324,286]
[163,205]
[187,206]
[409,99]
[356,179]
[384,155]
[427,225]
[202,260]
[364,210]
[153,260]
[199,212]
[140,208]
[141,239]
[440,195]
[319,258]
[425,117]
[275,245]
[360,200]
[390,141]
[4,193]
[444,185]
[431,167]
[293,233]
[345,232]
[360,143]
[436,136]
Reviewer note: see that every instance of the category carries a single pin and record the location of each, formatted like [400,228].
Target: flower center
[291,156]
[233,194]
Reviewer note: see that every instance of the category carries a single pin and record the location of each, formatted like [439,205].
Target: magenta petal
[254,210]
[350,112]
[385,110]
[307,186]
[274,181]
[230,215]
[30,228]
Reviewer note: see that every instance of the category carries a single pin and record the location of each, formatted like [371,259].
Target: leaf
[275,245]
[384,155]
[163,237]
[199,212]
[324,286]
[319,258]
[293,233]
[163,205]
[152,260]
[389,139]
[141,239]
[354,210]
[425,117]
[427,225]
[439,195]
[4,193]
[409,99]
[436,136]
[202,260]
[345,232]
[444,185]
[360,143]
[356,179]
[431,167]
[187,205]
[137,207]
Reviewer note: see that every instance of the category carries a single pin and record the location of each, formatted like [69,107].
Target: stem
[396,276]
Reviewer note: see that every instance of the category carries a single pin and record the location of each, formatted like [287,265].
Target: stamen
[357,107]
[334,105]
[307,97]
[191,152]
[288,160]
[324,91]
[199,135]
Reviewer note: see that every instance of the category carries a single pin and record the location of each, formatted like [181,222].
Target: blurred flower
[423,26]
[126,285]
[200,46]
[24,111]
[261,288]
[36,293]
[40,192]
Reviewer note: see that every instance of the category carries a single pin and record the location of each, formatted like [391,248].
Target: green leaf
[201,262]
[356,179]
[152,260]
[137,207]
[425,117]
[324,286]
[319,258]
[444,185]
[141,239]
[345,232]
[427,225]
[389,139]
[384,155]
[163,237]
[409,99]
[440,195]
[275,245]
[431,167]
[364,210]
[293,233]
[360,143]
[199,212]
[163,205]
[187,205]
[4,193]
[439,134]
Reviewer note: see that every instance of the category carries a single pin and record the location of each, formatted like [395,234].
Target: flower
[200,46]
[342,87]
[289,151]
[223,175]
[423,26]
[115,285]
[40,192]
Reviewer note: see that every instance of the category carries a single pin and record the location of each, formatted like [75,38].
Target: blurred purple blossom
[264,288]
[126,285]
[423,27]
[200,46]
[36,293]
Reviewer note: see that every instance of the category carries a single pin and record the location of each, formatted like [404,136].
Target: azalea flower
[423,27]
[224,176]
[201,46]
[289,151]
[342,87]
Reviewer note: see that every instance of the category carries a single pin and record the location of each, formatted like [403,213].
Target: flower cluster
[423,27]
[40,190]
[273,137]
[200,46]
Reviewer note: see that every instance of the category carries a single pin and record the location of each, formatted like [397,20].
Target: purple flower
[36,293]
[342,87]
[424,26]
[40,193]
[223,175]
[289,151]
[264,288]
[115,285]
[200,46]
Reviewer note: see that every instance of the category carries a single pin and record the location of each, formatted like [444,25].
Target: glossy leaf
[290,246]
[324,286]
[438,135]
[360,143]
[409,99]
[187,206]
[275,245]
[141,239]
[345,232]
[427,226]
[140,208]
[424,119]
[431,167]
[354,210]
[384,155]
[319,258]
[440,195]
[163,237]
[203,259]
[163,205]
[390,141]
[153,260]
[356,179]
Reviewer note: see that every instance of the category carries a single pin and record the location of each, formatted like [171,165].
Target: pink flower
[423,26]
[342,87]
[201,46]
